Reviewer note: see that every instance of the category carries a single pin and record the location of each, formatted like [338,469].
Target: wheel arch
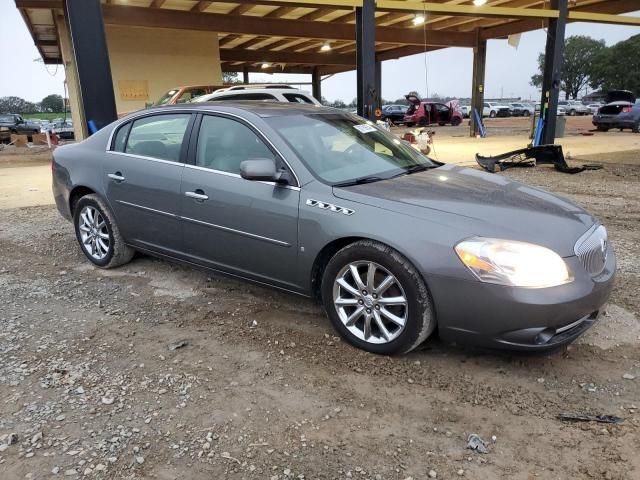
[330,249]
[322,259]
[76,194]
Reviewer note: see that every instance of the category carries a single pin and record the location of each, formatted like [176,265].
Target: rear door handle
[116,176]
[198,195]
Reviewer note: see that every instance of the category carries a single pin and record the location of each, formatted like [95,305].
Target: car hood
[483,204]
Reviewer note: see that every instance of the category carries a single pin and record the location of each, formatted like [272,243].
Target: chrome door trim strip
[133,155]
[235,175]
[238,232]
[148,209]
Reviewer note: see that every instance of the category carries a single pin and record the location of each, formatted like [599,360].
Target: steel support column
[366,57]
[91,55]
[245,75]
[316,84]
[553,64]
[477,92]
[378,87]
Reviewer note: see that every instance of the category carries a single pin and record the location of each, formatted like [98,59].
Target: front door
[243,227]
[142,177]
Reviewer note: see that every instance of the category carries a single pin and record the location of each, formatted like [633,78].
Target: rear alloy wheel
[376,299]
[492,114]
[526,113]
[98,234]
[456,121]
[636,127]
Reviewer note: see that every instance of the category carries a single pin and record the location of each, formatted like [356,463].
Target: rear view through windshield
[339,148]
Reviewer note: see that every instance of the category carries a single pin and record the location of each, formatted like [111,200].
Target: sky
[509,70]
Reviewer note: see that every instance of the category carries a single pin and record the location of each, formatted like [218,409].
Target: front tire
[492,114]
[98,234]
[376,299]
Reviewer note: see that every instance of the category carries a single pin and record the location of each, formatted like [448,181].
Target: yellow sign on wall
[133,89]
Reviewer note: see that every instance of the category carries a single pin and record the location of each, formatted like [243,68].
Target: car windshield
[342,149]
[166,98]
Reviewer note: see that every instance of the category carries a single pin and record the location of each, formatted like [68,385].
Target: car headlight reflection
[512,263]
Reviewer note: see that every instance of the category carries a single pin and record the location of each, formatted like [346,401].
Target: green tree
[618,67]
[579,54]
[16,105]
[52,103]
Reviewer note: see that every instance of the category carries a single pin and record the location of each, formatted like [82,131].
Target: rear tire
[397,306]
[602,129]
[456,121]
[492,114]
[526,113]
[636,127]
[98,234]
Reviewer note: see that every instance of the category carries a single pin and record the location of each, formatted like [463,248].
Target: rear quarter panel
[79,165]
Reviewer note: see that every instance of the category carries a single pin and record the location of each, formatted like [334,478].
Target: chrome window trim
[137,116]
[238,232]
[159,160]
[235,175]
[193,112]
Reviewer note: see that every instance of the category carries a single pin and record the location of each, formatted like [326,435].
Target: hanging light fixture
[479,3]
[326,46]
[418,19]
[265,65]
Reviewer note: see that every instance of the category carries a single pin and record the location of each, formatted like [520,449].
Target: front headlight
[512,263]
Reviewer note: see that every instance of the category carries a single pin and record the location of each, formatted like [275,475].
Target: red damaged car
[423,113]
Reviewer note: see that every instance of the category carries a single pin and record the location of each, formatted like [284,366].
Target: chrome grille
[591,249]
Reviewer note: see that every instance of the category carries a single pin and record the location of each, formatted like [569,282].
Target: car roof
[257,107]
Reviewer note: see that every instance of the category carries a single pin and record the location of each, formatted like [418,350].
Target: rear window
[158,136]
[297,98]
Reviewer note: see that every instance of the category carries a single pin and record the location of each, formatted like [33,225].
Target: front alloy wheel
[370,302]
[376,299]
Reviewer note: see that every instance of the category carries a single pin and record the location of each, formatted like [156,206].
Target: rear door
[239,226]
[142,177]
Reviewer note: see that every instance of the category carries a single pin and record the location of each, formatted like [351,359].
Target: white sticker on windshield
[364,128]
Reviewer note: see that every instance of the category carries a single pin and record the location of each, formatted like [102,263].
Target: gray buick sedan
[325,204]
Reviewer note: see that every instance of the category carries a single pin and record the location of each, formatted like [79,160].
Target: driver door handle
[198,195]
[116,176]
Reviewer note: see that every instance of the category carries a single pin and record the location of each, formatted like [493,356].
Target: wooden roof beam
[257,26]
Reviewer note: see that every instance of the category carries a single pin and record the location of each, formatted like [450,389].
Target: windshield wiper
[358,181]
[421,167]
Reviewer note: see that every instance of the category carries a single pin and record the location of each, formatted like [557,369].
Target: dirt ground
[92,387]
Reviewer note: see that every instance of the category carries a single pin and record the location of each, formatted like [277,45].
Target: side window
[486,105]
[297,98]
[224,143]
[158,136]
[121,138]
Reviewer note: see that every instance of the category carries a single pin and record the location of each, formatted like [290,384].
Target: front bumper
[494,316]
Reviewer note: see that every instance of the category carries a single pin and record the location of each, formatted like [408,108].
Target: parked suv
[495,109]
[574,107]
[268,93]
[14,123]
[522,109]
[185,94]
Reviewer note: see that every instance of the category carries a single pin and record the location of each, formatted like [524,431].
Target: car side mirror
[263,170]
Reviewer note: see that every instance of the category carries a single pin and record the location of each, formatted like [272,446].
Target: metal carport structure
[287,36]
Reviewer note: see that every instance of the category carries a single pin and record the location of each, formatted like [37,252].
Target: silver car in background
[325,204]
